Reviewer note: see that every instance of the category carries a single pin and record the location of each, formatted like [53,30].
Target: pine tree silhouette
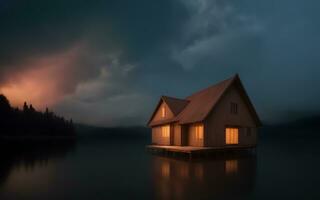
[25,107]
[4,104]
[30,122]
[31,109]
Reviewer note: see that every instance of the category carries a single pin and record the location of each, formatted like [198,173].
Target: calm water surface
[282,168]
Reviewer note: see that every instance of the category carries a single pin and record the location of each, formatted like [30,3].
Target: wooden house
[219,116]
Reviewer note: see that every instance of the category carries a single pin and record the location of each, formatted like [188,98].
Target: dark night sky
[107,62]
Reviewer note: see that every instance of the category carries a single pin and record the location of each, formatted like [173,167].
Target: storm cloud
[107,62]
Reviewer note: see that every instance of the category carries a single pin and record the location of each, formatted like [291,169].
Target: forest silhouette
[28,122]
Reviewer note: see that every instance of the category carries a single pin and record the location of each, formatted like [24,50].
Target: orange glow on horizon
[32,90]
[43,83]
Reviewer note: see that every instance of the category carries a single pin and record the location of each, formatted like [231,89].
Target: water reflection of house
[220,116]
[218,178]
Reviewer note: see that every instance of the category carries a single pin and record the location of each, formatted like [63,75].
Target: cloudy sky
[107,62]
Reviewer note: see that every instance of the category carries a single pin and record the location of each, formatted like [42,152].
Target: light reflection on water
[226,176]
[120,169]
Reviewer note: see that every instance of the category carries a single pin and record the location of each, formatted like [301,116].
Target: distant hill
[93,132]
[301,129]
[310,122]
[309,125]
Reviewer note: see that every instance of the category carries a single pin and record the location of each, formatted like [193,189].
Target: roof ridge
[174,98]
[175,105]
[213,85]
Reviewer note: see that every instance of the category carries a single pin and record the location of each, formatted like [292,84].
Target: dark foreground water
[286,167]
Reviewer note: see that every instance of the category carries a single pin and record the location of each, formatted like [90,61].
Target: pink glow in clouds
[42,81]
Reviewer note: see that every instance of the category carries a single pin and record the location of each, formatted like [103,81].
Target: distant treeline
[31,123]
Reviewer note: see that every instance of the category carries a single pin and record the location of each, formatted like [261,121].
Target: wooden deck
[191,150]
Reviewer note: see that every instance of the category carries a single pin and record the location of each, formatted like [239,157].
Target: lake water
[285,167]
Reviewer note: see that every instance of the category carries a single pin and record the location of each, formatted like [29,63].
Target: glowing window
[165,131]
[232,135]
[199,131]
[163,111]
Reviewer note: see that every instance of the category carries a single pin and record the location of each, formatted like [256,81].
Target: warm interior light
[163,111]
[165,131]
[199,131]
[232,135]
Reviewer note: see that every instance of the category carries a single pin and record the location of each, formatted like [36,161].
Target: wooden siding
[158,114]
[221,117]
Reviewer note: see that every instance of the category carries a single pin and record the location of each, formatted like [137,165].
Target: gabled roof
[175,105]
[204,101]
[196,108]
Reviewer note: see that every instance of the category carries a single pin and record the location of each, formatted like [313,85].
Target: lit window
[199,131]
[232,135]
[165,131]
[163,111]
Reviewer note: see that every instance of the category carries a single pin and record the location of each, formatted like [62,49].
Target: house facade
[218,116]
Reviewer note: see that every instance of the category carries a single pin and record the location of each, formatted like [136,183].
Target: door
[184,135]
